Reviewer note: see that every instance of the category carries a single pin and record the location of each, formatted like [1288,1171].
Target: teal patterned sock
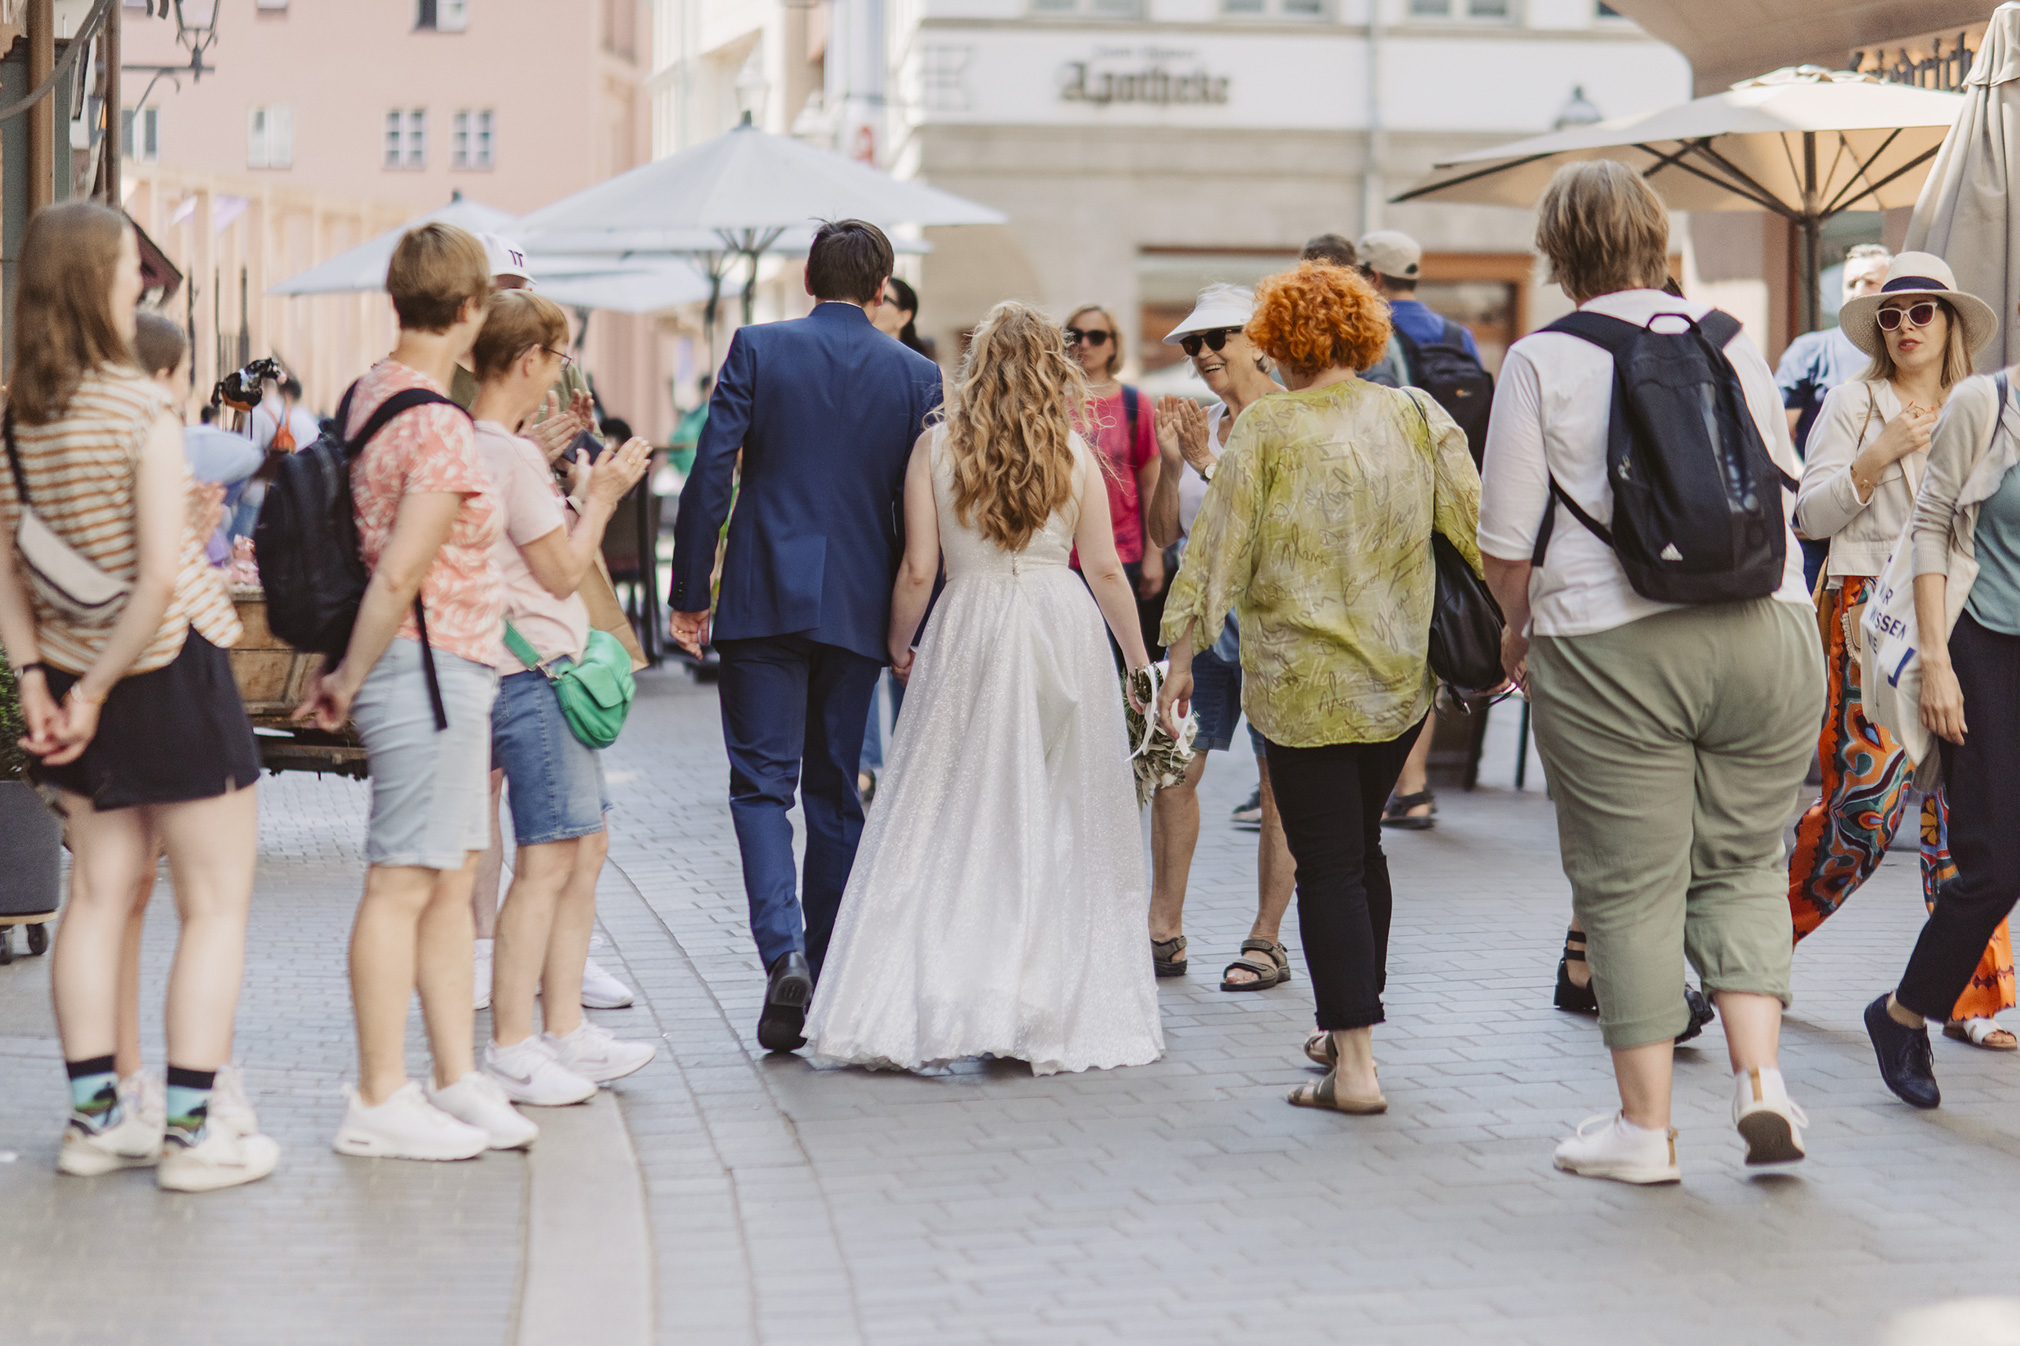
[94,1093]
[189,1103]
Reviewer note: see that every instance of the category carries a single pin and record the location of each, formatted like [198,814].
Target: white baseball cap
[505,257]
[1392,253]
[1219,306]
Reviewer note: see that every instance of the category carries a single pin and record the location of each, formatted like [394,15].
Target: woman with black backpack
[1676,690]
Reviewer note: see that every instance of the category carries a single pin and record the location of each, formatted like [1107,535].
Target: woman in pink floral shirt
[427,520]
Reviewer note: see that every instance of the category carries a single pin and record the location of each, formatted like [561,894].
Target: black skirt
[171,736]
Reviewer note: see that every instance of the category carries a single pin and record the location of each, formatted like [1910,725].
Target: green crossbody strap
[522,649]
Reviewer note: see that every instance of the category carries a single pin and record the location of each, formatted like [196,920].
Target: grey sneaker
[1251,813]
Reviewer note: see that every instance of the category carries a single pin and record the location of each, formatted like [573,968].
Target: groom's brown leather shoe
[788,988]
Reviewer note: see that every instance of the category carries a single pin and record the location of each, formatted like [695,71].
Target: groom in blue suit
[825,409]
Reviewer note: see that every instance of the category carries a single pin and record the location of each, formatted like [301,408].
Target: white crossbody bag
[63,578]
[1890,665]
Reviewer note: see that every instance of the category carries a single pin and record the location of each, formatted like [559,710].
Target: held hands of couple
[689,630]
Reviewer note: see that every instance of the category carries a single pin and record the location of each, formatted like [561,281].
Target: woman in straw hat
[1867,453]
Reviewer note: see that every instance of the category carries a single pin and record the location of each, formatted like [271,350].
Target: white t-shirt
[533,508]
[1192,486]
[1552,407]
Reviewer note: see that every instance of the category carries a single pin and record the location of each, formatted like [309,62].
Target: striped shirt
[81,472]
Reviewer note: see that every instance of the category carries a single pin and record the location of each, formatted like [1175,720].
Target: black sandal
[1570,995]
[1397,813]
[1164,959]
[1701,1013]
[1272,969]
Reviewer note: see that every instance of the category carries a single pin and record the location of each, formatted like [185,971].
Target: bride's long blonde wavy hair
[1009,424]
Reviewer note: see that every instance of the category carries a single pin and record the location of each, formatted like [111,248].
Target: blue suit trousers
[793,711]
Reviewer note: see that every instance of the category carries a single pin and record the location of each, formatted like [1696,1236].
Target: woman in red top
[1128,444]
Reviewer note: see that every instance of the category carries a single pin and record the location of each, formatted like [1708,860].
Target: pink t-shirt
[533,508]
[1122,458]
[427,450]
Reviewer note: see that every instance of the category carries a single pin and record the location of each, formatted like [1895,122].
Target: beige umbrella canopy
[1805,143]
[1967,212]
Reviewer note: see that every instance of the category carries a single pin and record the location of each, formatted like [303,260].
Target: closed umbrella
[1804,143]
[1967,213]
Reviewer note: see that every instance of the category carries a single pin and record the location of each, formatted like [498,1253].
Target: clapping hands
[1180,423]
[556,429]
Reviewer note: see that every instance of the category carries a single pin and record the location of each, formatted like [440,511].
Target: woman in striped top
[134,722]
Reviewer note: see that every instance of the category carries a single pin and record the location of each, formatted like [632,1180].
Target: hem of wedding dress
[940,1065]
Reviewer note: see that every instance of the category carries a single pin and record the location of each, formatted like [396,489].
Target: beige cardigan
[1862,532]
[1967,461]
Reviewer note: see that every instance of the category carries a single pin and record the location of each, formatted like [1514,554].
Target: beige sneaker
[229,1106]
[223,1158]
[133,1143]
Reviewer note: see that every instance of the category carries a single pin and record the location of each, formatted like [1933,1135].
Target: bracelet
[34,666]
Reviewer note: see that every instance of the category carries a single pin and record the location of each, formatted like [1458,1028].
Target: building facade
[324,123]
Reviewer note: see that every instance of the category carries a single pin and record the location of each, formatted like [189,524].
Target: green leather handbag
[595,693]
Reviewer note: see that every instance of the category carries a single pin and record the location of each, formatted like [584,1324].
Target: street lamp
[195,27]
[1578,112]
[752,88]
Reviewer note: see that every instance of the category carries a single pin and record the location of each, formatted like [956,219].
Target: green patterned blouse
[1316,531]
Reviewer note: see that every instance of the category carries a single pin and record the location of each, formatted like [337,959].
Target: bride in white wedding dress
[997,902]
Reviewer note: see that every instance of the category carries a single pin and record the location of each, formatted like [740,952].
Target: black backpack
[1697,501]
[306,541]
[1455,380]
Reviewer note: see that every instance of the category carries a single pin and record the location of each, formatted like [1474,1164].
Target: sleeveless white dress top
[997,903]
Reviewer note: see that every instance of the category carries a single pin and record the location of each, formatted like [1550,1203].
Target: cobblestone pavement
[1182,1201]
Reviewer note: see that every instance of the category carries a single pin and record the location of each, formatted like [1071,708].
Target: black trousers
[1984,799]
[1331,799]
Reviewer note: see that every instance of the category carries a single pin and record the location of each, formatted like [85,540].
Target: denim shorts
[429,788]
[1216,700]
[553,779]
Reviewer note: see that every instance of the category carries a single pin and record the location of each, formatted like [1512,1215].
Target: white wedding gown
[997,904]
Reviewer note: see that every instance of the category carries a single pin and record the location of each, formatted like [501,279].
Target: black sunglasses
[1918,315]
[1213,341]
[1096,337]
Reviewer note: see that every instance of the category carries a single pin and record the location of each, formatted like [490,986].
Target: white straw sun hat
[1219,306]
[1917,275]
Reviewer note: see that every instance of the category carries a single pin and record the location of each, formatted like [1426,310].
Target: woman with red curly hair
[1316,531]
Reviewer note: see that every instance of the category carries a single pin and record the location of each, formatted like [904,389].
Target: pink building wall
[560,78]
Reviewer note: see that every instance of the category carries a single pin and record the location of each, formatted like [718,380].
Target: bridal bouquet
[1159,758]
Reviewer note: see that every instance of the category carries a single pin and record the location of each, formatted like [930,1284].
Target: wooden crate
[270,673]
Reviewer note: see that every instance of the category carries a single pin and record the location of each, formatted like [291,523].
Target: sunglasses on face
[1093,336]
[1918,315]
[1213,341]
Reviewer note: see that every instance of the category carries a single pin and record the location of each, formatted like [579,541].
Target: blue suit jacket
[826,409]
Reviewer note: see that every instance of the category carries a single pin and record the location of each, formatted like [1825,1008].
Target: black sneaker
[1251,813]
[1701,1013]
[1906,1063]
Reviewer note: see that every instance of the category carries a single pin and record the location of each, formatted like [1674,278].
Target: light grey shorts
[429,788]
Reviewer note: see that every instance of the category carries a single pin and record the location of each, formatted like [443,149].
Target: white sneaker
[1773,1126]
[600,990]
[223,1158]
[477,1099]
[406,1126]
[480,985]
[529,1074]
[134,1143]
[1609,1146]
[594,1054]
[143,1094]
[229,1106]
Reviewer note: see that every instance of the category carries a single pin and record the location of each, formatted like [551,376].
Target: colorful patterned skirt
[1844,835]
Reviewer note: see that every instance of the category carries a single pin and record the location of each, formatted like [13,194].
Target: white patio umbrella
[1804,143]
[745,188]
[1967,211]
[363,268]
[640,287]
